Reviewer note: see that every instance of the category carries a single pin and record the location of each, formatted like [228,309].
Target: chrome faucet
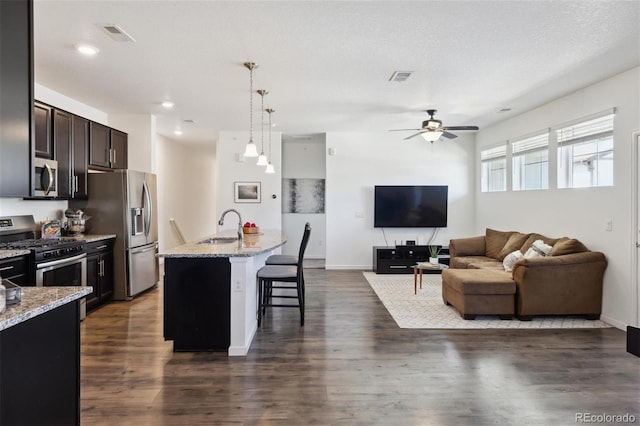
[221,222]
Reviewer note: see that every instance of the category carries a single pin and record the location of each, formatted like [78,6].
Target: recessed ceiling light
[168,104]
[177,132]
[87,50]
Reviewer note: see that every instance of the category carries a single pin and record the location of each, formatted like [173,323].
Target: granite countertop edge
[92,238]
[39,300]
[253,245]
[7,254]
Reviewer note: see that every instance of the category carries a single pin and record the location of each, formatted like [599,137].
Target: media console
[400,259]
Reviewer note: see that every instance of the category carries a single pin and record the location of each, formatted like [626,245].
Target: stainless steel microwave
[46,178]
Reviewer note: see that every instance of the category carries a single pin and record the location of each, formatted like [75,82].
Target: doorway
[303,194]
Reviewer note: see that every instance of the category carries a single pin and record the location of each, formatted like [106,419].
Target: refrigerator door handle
[149,208]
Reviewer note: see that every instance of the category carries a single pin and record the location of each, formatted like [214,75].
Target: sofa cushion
[494,265]
[478,281]
[495,241]
[463,262]
[515,241]
[568,246]
[533,237]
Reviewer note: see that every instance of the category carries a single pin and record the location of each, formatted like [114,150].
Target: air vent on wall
[116,33]
[400,76]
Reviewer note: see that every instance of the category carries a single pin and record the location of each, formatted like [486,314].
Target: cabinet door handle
[115,153]
[75,184]
[101,247]
[102,268]
[7,268]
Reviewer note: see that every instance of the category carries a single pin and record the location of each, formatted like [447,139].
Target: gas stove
[18,233]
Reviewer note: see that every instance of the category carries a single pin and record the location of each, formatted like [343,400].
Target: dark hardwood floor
[350,364]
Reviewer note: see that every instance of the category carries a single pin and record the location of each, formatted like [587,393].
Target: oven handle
[61,261]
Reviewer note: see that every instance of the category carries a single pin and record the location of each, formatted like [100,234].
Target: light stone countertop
[252,245]
[5,254]
[91,238]
[38,300]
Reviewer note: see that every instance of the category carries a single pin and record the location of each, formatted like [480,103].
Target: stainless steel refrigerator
[124,203]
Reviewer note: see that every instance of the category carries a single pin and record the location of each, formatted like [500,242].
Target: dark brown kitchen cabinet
[119,149]
[71,139]
[107,147]
[15,269]
[42,138]
[99,273]
[16,97]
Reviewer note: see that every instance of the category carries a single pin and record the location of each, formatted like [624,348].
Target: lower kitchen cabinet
[15,269]
[99,273]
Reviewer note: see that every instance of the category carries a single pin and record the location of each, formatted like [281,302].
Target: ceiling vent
[116,33]
[400,76]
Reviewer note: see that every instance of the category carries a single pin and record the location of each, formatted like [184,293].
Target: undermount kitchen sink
[219,240]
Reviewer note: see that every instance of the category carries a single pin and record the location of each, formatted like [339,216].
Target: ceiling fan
[433,129]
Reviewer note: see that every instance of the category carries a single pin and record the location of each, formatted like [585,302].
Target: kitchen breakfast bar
[210,292]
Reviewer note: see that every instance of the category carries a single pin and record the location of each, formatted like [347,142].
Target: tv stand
[400,259]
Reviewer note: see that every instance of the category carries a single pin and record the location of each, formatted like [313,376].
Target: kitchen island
[40,357]
[210,292]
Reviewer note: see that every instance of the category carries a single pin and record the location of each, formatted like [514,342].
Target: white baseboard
[348,267]
[614,322]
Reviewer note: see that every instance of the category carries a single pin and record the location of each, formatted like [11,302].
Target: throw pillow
[515,241]
[495,241]
[532,253]
[542,248]
[534,237]
[568,246]
[510,260]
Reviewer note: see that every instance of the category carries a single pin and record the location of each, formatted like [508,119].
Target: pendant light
[250,150]
[262,159]
[270,169]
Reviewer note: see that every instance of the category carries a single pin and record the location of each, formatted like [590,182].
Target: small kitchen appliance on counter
[75,222]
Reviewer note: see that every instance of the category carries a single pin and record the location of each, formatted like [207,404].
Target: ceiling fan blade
[463,128]
[414,135]
[404,130]
[449,135]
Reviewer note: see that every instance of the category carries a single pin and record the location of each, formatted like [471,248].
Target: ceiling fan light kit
[432,129]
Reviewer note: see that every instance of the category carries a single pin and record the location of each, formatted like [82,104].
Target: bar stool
[284,259]
[288,277]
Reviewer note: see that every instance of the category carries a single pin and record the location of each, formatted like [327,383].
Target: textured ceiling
[327,64]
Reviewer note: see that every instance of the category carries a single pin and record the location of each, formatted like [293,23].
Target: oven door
[71,271]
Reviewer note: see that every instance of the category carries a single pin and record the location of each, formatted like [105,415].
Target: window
[530,159]
[585,153]
[494,169]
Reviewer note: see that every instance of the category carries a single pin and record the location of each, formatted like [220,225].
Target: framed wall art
[246,192]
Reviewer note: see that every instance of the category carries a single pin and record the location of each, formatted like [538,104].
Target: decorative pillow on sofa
[510,260]
[538,249]
[495,241]
[568,246]
[534,237]
[515,241]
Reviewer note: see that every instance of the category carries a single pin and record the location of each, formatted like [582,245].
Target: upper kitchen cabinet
[42,137]
[16,97]
[107,147]
[71,139]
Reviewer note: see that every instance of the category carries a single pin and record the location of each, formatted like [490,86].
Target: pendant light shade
[270,169]
[262,159]
[250,150]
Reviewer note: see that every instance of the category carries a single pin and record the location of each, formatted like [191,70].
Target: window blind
[493,153]
[530,144]
[596,128]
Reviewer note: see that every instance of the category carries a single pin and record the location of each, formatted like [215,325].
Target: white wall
[42,210]
[363,160]
[186,191]
[579,213]
[267,213]
[304,157]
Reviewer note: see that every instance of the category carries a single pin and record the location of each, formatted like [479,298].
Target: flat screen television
[410,206]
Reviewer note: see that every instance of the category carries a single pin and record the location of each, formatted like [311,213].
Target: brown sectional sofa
[569,282]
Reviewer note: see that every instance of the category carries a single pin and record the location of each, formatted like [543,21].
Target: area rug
[427,310]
